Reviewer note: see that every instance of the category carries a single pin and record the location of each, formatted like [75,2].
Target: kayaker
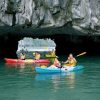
[51,56]
[22,56]
[71,61]
[56,64]
[37,56]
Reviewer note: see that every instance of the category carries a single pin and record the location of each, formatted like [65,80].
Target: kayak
[58,70]
[30,61]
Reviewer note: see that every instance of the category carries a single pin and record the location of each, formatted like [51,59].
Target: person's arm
[65,62]
[59,63]
[75,60]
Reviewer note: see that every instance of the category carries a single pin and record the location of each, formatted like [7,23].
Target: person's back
[56,63]
[37,56]
[22,56]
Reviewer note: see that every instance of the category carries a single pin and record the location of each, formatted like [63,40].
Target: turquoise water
[20,82]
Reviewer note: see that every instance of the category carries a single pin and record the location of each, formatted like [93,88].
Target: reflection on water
[20,82]
[71,80]
[69,77]
[55,78]
[15,65]
[23,65]
[20,67]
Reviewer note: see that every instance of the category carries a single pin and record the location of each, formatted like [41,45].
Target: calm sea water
[20,82]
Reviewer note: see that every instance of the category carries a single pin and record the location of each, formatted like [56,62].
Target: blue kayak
[58,70]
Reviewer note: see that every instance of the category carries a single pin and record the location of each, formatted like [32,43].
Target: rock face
[84,15]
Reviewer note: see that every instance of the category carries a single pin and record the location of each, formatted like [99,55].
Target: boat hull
[28,61]
[58,70]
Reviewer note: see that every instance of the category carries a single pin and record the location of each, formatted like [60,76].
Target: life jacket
[53,54]
[71,62]
[43,66]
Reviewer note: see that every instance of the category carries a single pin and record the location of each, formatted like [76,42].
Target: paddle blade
[83,53]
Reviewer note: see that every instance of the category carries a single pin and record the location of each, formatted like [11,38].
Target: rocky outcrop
[84,15]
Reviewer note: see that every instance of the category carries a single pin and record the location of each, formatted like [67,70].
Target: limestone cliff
[83,15]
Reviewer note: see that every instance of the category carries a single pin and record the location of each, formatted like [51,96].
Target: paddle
[81,54]
[51,56]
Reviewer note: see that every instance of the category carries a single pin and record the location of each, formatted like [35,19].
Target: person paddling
[71,61]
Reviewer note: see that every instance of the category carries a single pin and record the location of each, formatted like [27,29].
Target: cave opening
[65,44]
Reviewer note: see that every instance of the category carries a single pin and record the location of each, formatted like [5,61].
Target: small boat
[58,70]
[27,61]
